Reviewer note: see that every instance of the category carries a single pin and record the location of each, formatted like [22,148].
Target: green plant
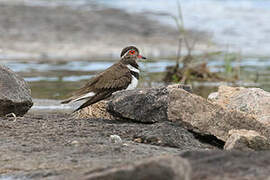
[175,78]
[228,64]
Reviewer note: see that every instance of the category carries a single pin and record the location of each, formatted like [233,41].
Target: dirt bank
[91,32]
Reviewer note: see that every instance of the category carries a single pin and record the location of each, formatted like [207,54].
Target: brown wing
[116,77]
[98,97]
[82,91]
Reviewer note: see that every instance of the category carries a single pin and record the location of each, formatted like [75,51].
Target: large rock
[211,118]
[143,105]
[15,94]
[254,101]
[205,117]
[158,168]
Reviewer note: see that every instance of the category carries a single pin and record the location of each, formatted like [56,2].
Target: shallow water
[58,80]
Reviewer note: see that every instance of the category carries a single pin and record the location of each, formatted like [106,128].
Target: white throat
[133,68]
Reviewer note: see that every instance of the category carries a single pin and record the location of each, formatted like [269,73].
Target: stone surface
[57,146]
[142,105]
[158,168]
[15,94]
[205,117]
[246,140]
[228,165]
[170,135]
[254,101]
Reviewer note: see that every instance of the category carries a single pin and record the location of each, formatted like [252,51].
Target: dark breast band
[135,74]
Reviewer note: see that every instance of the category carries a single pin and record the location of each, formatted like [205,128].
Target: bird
[123,75]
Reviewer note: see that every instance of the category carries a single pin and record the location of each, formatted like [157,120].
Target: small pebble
[125,144]
[115,139]
[75,142]
[138,140]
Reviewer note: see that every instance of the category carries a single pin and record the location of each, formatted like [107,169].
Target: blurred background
[57,45]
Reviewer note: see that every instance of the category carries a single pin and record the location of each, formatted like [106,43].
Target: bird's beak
[141,57]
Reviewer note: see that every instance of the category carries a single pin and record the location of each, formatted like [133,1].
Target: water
[57,80]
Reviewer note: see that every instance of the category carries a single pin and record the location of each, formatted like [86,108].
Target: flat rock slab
[59,146]
[228,165]
[158,168]
[15,94]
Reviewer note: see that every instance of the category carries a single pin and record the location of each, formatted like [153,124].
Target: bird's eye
[132,52]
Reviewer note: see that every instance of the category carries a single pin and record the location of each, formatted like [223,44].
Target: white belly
[133,84]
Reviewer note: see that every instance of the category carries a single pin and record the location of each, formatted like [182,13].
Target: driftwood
[191,72]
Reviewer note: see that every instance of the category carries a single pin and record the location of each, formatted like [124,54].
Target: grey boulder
[143,105]
[15,94]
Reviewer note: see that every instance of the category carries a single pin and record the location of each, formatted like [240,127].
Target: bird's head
[131,52]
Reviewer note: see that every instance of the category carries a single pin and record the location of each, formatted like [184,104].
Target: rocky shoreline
[57,146]
[165,133]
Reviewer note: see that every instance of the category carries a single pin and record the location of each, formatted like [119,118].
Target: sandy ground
[91,32]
